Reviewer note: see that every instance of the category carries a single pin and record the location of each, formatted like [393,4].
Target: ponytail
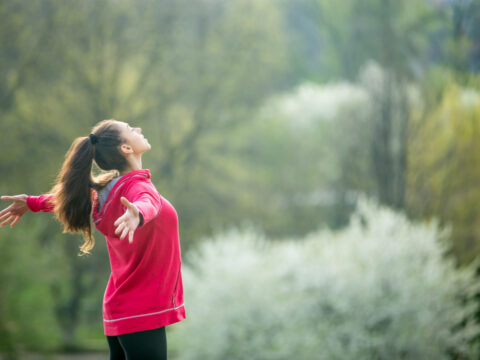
[73,203]
[74,183]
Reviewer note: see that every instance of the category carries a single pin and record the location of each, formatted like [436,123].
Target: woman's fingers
[120,228]
[15,221]
[124,233]
[10,198]
[130,206]
[125,202]
[119,220]
[5,213]
[125,222]
[6,221]
[124,229]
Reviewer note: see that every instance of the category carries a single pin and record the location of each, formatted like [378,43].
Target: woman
[144,292]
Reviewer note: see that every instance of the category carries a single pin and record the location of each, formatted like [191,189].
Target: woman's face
[135,142]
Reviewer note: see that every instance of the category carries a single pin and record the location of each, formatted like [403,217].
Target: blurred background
[322,156]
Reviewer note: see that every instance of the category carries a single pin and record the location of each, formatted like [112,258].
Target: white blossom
[380,289]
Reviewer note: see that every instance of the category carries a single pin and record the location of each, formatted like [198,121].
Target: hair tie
[93,139]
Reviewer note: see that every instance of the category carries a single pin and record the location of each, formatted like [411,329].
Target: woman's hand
[15,211]
[128,222]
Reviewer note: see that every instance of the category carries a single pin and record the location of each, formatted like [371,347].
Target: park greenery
[276,115]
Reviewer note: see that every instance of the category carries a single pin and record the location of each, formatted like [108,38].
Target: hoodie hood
[112,209]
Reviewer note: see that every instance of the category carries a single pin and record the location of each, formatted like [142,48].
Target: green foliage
[380,289]
[344,35]
[27,307]
[444,157]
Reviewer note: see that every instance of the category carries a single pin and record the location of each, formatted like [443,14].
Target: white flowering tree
[380,289]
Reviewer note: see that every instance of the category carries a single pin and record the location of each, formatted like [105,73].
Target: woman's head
[116,141]
[134,143]
[112,146]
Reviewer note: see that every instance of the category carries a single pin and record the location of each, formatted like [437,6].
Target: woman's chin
[145,148]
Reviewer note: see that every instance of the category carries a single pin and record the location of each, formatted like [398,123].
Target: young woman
[144,292]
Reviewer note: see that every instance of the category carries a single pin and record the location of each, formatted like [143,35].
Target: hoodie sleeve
[43,203]
[145,197]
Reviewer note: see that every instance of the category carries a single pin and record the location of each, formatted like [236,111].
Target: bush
[380,289]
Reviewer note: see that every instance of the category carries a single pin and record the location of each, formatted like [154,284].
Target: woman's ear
[126,149]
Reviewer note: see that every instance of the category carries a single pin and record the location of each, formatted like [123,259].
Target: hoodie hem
[141,323]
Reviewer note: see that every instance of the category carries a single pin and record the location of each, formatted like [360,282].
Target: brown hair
[75,181]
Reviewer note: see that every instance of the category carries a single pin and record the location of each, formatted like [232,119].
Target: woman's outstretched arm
[21,204]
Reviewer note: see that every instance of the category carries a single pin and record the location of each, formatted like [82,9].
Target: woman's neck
[134,163]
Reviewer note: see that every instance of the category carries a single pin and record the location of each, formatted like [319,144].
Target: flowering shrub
[380,289]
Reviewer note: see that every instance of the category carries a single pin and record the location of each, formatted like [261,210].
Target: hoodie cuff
[40,203]
[33,203]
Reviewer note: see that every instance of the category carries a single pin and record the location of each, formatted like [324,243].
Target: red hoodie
[145,289]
